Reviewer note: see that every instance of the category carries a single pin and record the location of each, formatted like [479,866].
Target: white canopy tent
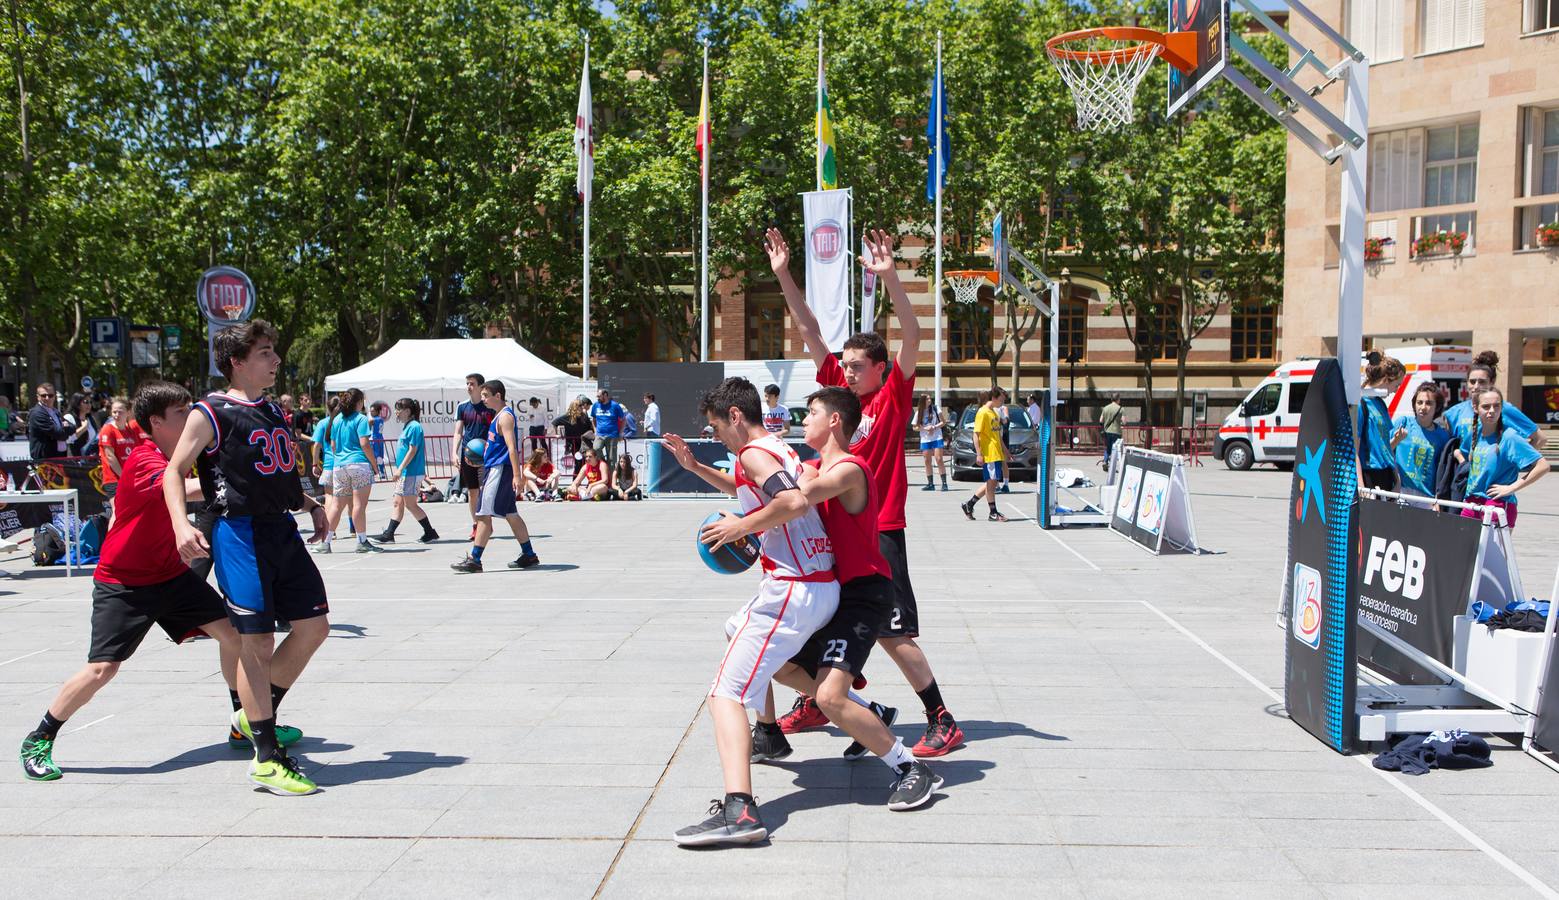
[434,372]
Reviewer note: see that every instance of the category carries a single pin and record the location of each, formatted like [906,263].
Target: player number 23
[834,651]
[275,450]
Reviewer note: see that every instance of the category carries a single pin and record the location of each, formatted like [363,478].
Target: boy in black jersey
[243,452]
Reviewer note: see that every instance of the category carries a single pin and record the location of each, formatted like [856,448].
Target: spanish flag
[827,167]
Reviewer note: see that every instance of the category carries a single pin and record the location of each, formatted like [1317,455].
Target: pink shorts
[1510,509]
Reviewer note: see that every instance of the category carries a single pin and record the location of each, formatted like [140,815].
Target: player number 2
[898,614]
[834,652]
[275,450]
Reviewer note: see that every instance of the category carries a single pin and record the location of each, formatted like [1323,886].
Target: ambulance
[1265,426]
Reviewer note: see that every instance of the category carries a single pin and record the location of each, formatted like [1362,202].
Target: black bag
[48,545]
[431,495]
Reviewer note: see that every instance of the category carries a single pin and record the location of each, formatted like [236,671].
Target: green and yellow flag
[827,167]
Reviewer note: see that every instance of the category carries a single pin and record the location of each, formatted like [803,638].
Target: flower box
[1375,248]
[1548,235]
[1440,243]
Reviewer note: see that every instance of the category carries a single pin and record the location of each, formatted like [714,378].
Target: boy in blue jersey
[610,419]
[502,484]
[407,472]
[243,452]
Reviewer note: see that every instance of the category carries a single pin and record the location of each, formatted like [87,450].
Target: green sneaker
[239,737]
[280,775]
[38,760]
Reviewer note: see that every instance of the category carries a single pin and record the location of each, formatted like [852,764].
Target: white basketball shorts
[767,632]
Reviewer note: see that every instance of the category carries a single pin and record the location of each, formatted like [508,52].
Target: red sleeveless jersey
[853,535]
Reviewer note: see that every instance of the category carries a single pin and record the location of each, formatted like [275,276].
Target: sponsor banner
[1546,734]
[79,472]
[662,473]
[828,263]
[1320,599]
[1153,502]
[1541,403]
[225,296]
[1416,569]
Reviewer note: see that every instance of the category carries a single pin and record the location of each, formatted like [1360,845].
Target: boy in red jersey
[839,485]
[140,579]
[885,412]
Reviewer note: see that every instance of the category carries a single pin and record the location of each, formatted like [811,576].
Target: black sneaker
[968,509]
[915,786]
[732,821]
[428,537]
[525,561]
[769,745]
[383,537]
[467,565]
[994,517]
[888,715]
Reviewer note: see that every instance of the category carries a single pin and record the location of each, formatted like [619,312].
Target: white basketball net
[1105,85]
[966,288]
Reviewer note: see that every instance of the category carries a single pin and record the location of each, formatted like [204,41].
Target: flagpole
[703,282]
[936,287]
[819,107]
[590,189]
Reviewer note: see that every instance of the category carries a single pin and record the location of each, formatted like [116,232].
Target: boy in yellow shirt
[990,452]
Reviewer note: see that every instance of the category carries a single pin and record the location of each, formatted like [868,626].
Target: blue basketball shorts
[995,471]
[266,573]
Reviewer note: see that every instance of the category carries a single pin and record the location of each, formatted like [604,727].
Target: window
[1539,15]
[1073,326]
[1423,167]
[1464,222]
[765,329]
[1158,331]
[1550,349]
[1296,396]
[1263,402]
[1541,152]
[1450,25]
[1451,166]
[1253,333]
[968,329]
[1530,218]
[1375,27]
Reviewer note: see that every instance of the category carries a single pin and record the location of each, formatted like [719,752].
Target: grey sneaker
[732,821]
[915,785]
[888,715]
[368,547]
[321,547]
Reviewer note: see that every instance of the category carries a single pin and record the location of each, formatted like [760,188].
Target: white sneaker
[321,547]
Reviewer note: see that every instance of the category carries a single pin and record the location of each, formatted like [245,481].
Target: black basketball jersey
[251,470]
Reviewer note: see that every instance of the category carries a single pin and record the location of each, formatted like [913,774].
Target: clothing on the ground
[1418,455]
[1416,754]
[1498,460]
[411,439]
[139,548]
[879,439]
[117,443]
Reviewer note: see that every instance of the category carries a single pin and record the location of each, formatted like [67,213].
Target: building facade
[1463,169]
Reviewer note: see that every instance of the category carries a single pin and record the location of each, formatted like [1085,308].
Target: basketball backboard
[999,249]
[1209,21]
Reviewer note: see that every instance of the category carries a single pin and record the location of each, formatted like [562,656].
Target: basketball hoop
[966,284]
[232,311]
[1103,66]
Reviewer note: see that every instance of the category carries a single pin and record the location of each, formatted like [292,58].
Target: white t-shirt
[776,419]
[652,418]
[1035,413]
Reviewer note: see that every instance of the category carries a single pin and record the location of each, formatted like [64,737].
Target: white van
[1265,427]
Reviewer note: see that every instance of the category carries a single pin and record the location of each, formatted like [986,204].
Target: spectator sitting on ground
[592,479]
[573,425]
[625,480]
[541,476]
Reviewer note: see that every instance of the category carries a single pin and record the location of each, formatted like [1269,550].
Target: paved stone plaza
[541,733]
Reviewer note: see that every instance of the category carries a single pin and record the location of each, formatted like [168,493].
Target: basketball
[476,449]
[729,559]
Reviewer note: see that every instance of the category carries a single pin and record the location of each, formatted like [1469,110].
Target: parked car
[1021,444]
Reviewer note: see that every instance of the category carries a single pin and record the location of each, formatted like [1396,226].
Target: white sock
[858,699]
[362,538]
[330,536]
[898,756]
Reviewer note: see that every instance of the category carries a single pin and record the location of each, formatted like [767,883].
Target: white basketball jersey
[798,549]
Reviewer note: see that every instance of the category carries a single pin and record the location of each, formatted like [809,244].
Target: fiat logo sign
[827,241]
[226,296]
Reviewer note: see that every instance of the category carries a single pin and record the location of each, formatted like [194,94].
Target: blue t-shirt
[324,445]
[1462,419]
[346,434]
[376,426]
[1499,461]
[606,416]
[1418,456]
[497,453]
[474,419]
[1375,435]
[411,439]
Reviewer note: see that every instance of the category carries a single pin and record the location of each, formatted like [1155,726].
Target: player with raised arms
[886,407]
[242,449]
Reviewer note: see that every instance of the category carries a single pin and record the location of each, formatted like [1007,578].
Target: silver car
[1021,444]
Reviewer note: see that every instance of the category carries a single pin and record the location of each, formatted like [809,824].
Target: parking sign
[107,338]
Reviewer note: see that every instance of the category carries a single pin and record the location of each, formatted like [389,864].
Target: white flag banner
[868,295]
[584,133]
[828,263]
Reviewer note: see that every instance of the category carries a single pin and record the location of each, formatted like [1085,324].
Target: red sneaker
[942,735]
[802,716]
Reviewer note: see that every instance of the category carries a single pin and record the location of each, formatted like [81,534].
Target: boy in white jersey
[797,596]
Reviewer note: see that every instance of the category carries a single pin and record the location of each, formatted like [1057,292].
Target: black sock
[769,728]
[390,526]
[931,697]
[427,526]
[237,703]
[745,798]
[277,693]
[48,727]
[265,739]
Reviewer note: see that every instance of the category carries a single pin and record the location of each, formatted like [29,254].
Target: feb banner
[828,263]
[1320,669]
[1416,570]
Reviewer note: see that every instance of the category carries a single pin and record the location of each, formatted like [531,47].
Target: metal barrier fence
[1192,441]
[442,462]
